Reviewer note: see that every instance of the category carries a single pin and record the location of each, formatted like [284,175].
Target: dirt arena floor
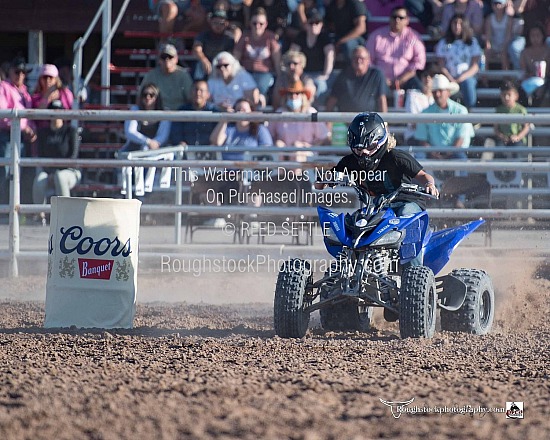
[202,362]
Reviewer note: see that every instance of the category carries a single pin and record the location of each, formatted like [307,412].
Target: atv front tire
[478,310]
[417,303]
[293,294]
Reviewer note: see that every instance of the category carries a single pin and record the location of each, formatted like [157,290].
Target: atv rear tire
[292,296]
[477,313]
[417,303]
[344,315]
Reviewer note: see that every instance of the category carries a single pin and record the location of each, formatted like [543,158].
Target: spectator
[210,43]
[57,140]
[235,17]
[471,10]
[15,96]
[518,40]
[298,134]
[299,17]
[241,133]
[48,89]
[514,134]
[359,87]
[146,135]
[398,51]
[315,44]
[191,132]
[172,80]
[535,53]
[428,13]
[458,55]
[193,11]
[418,100]
[230,82]
[259,52]
[292,70]
[447,134]
[498,34]
[347,20]
[277,13]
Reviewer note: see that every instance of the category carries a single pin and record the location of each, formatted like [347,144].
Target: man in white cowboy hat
[444,134]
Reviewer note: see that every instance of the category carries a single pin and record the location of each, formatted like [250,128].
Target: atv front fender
[451,292]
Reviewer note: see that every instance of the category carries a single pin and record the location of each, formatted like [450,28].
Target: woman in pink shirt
[259,51]
[50,88]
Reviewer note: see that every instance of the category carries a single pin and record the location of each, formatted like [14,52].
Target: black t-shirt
[359,93]
[60,144]
[395,167]
[340,20]
[315,55]
[212,43]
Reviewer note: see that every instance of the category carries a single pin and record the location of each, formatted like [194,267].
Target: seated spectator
[514,134]
[299,17]
[347,20]
[193,11]
[65,67]
[535,52]
[146,135]
[235,16]
[191,132]
[428,13]
[230,82]
[57,140]
[471,10]
[171,79]
[418,100]
[298,134]
[398,51]
[498,34]
[360,87]
[48,89]
[448,134]
[277,13]
[259,52]
[241,133]
[210,43]
[315,44]
[292,70]
[458,55]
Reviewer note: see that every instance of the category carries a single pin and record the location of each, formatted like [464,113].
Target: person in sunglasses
[398,51]
[174,82]
[379,167]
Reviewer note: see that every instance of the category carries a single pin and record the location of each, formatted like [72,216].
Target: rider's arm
[428,182]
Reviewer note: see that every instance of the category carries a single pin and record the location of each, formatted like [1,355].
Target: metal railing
[15,208]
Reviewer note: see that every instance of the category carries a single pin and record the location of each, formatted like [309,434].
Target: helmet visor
[370,143]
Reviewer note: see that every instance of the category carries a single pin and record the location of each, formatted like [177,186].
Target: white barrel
[92,263]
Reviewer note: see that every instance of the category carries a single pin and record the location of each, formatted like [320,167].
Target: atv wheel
[417,303]
[292,295]
[477,313]
[344,315]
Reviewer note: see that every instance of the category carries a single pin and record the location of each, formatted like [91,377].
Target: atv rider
[381,167]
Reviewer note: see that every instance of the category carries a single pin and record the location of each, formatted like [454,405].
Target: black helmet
[368,132]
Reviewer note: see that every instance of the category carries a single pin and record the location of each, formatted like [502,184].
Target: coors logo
[95,269]
[72,240]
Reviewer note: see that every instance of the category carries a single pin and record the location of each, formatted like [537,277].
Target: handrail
[108,31]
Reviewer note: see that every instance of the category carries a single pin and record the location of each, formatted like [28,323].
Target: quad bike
[372,248]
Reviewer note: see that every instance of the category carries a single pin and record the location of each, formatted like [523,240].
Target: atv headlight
[391,238]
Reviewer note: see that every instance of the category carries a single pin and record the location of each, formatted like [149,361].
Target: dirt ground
[201,365]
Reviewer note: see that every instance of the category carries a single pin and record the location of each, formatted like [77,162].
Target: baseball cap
[314,16]
[219,13]
[502,2]
[168,49]
[19,63]
[49,70]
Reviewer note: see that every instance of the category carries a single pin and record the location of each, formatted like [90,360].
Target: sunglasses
[399,17]
[148,95]
[222,66]
[19,72]
[315,23]
[166,57]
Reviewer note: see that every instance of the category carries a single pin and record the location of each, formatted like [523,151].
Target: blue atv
[373,249]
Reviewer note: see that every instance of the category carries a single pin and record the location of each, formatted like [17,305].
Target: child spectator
[535,55]
[513,134]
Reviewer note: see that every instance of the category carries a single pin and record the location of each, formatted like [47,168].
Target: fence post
[15,194]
